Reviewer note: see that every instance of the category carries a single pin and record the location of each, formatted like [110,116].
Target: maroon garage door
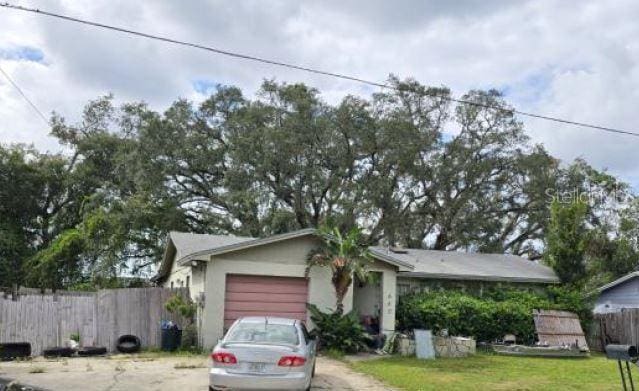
[262,296]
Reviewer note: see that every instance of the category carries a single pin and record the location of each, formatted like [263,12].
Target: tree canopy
[405,165]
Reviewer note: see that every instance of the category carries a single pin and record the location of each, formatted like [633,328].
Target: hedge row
[486,318]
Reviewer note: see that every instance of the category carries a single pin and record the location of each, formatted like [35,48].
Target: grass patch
[157,353]
[493,372]
[169,354]
[150,355]
[37,370]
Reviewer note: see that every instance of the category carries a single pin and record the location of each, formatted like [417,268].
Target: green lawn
[492,372]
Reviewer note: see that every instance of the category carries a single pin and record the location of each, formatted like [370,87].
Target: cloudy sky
[575,60]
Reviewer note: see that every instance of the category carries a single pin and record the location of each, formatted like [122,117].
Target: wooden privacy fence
[617,327]
[47,320]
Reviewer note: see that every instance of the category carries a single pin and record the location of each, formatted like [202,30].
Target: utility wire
[17,87]
[313,70]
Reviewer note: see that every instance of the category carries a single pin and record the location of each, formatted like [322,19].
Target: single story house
[619,294]
[231,276]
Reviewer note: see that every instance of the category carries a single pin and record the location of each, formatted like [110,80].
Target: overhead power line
[17,87]
[313,70]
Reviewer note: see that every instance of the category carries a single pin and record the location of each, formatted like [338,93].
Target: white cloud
[572,60]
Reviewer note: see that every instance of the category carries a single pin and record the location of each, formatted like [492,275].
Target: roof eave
[401,265]
[616,282]
[470,277]
[161,274]
[247,244]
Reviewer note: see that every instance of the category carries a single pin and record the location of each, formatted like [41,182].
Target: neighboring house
[619,294]
[232,276]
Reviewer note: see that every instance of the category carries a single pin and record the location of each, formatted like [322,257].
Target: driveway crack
[119,371]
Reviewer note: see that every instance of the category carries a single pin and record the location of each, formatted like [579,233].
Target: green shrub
[189,338]
[340,332]
[571,300]
[176,304]
[486,318]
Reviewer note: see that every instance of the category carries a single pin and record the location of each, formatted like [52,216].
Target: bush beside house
[338,332]
[187,310]
[486,318]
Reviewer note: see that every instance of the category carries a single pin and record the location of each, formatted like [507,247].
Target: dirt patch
[114,373]
[150,373]
[336,375]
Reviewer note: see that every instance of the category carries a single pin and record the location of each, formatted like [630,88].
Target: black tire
[128,344]
[92,351]
[12,350]
[58,352]
[313,372]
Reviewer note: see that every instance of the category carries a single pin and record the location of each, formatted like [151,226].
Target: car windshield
[264,333]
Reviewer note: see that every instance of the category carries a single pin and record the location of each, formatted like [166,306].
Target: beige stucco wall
[389,280]
[178,276]
[284,259]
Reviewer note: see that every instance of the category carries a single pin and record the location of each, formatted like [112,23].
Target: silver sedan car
[264,353]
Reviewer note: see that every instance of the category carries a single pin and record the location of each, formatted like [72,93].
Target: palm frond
[345,254]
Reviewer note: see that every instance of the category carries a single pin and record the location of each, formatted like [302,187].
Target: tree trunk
[341,288]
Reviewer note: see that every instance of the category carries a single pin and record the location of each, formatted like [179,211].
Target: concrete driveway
[154,372]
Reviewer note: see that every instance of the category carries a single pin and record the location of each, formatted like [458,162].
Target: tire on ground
[128,344]
[92,351]
[59,351]
[13,350]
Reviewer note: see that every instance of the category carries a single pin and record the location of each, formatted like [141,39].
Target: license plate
[256,366]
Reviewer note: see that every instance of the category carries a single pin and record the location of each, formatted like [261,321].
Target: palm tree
[345,255]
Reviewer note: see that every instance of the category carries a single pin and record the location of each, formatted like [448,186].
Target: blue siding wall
[624,295]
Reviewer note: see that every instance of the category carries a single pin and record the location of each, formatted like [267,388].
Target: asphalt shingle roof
[470,266]
[188,243]
[425,263]
[618,281]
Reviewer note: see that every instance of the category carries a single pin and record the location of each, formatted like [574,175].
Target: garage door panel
[232,315]
[273,297]
[246,279]
[265,296]
[264,288]
[266,306]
